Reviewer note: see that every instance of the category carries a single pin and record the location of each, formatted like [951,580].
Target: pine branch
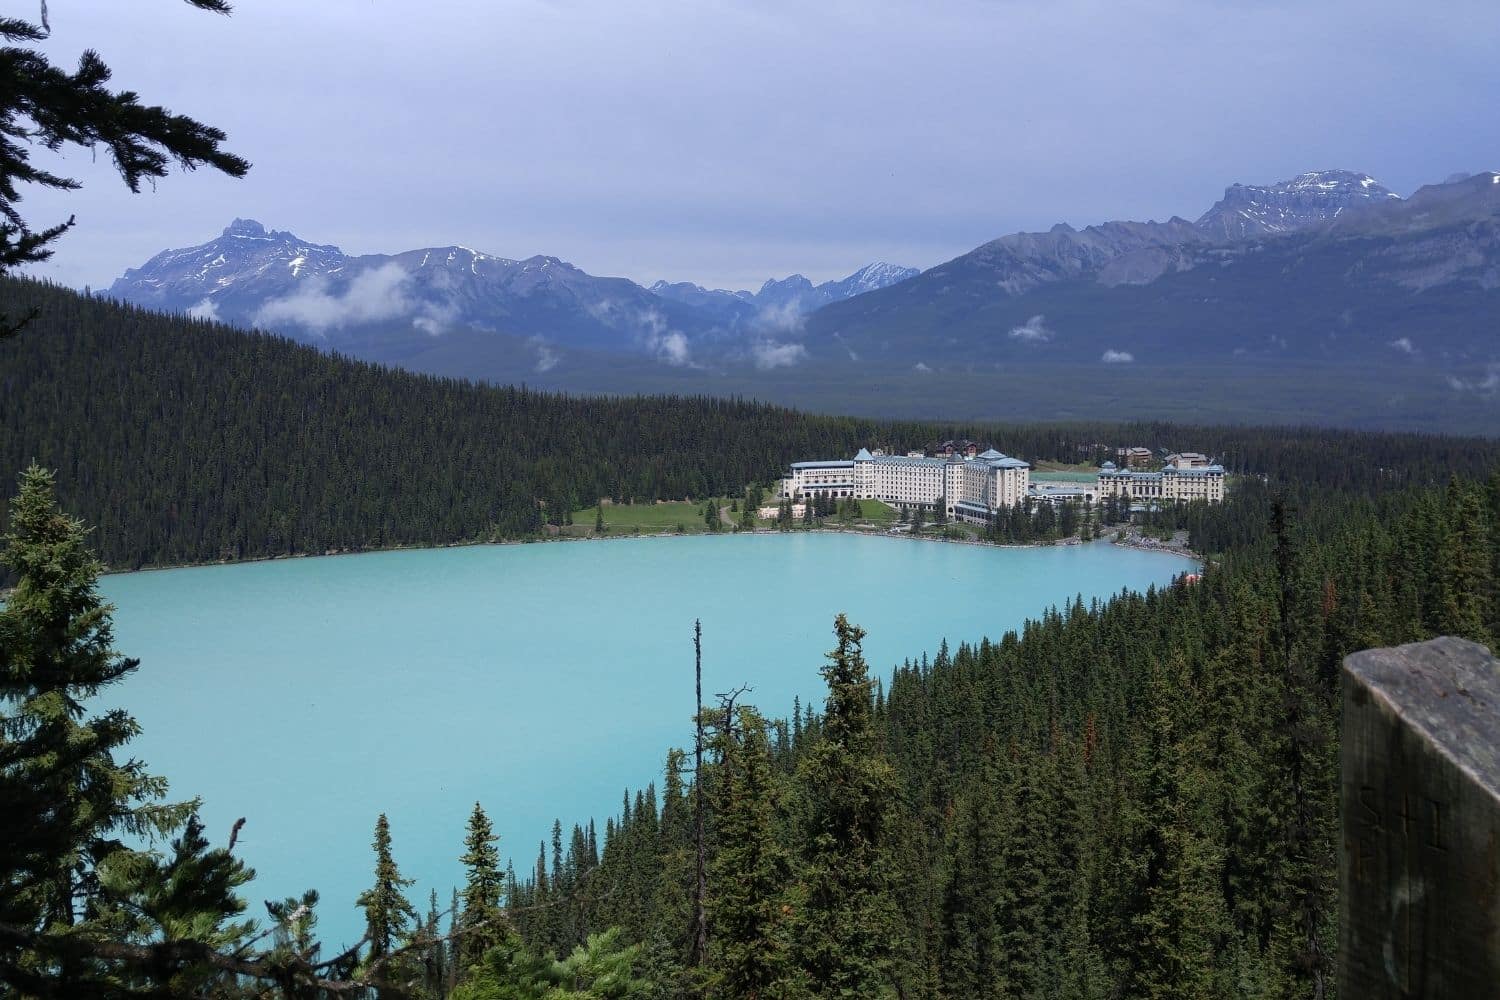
[43,105]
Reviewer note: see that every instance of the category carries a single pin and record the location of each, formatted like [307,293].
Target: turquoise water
[310,695]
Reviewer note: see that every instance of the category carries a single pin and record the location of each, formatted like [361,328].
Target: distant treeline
[185,441]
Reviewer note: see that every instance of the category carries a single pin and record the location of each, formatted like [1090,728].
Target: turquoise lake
[310,695]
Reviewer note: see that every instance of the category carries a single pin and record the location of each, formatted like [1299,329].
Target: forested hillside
[182,441]
[1134,799]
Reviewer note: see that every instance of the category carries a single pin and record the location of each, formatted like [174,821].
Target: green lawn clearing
[650,518]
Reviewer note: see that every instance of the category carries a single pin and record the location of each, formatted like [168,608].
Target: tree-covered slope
[183,441]
[1136,798]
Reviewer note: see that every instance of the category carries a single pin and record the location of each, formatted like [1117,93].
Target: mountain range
[1328,266]
[388,305]
[1327,283]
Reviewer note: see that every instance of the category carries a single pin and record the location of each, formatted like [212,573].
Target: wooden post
[1419,873]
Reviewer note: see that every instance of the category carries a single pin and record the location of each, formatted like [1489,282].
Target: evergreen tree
[435,954]
[68,877]
[189,898]
[750,870]
[389,916]
[1465,554]
[1068,520]
[970,945]
[481,925]
[602,968]
[845,923]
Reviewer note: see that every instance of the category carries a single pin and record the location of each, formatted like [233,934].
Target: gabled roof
[864,456]
[992,453]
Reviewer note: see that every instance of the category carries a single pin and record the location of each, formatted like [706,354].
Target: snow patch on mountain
[1248,211]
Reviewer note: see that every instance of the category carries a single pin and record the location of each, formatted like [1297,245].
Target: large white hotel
[972,489]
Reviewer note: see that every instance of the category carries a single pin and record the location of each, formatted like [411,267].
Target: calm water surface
[310,695]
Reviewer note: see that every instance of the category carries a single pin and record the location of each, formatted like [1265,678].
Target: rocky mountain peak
[876,275]
[245,227]
[1248,211]
[792,283]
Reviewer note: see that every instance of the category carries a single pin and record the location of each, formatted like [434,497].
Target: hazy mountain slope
[253,277]
[781,302]
[1345,305]
[1384,279]
[250,276]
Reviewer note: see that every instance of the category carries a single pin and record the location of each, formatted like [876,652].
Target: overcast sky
[725,142]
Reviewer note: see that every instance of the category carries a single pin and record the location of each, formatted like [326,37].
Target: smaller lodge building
[1186,476]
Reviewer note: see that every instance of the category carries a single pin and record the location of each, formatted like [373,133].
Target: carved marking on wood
[1420,787]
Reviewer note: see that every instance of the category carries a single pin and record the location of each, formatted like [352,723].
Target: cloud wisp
[1485,385]
[1114,357]
[1033,331]
[788,317]
[650,328]
[547,357]
[206,309]
[377,295]
[670,348]
[769,354]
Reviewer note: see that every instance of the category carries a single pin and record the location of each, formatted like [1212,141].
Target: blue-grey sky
[723,142]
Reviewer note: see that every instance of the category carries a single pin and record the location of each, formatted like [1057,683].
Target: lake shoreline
[1132,541]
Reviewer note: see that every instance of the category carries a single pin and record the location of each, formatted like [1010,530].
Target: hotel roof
[904,460]
[1171,470]
[992,459]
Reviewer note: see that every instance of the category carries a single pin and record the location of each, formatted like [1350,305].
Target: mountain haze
[1329,267]
[390,306]
[782,302]
[1323,298]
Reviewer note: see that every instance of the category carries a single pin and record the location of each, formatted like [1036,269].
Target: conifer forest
[1133,798]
